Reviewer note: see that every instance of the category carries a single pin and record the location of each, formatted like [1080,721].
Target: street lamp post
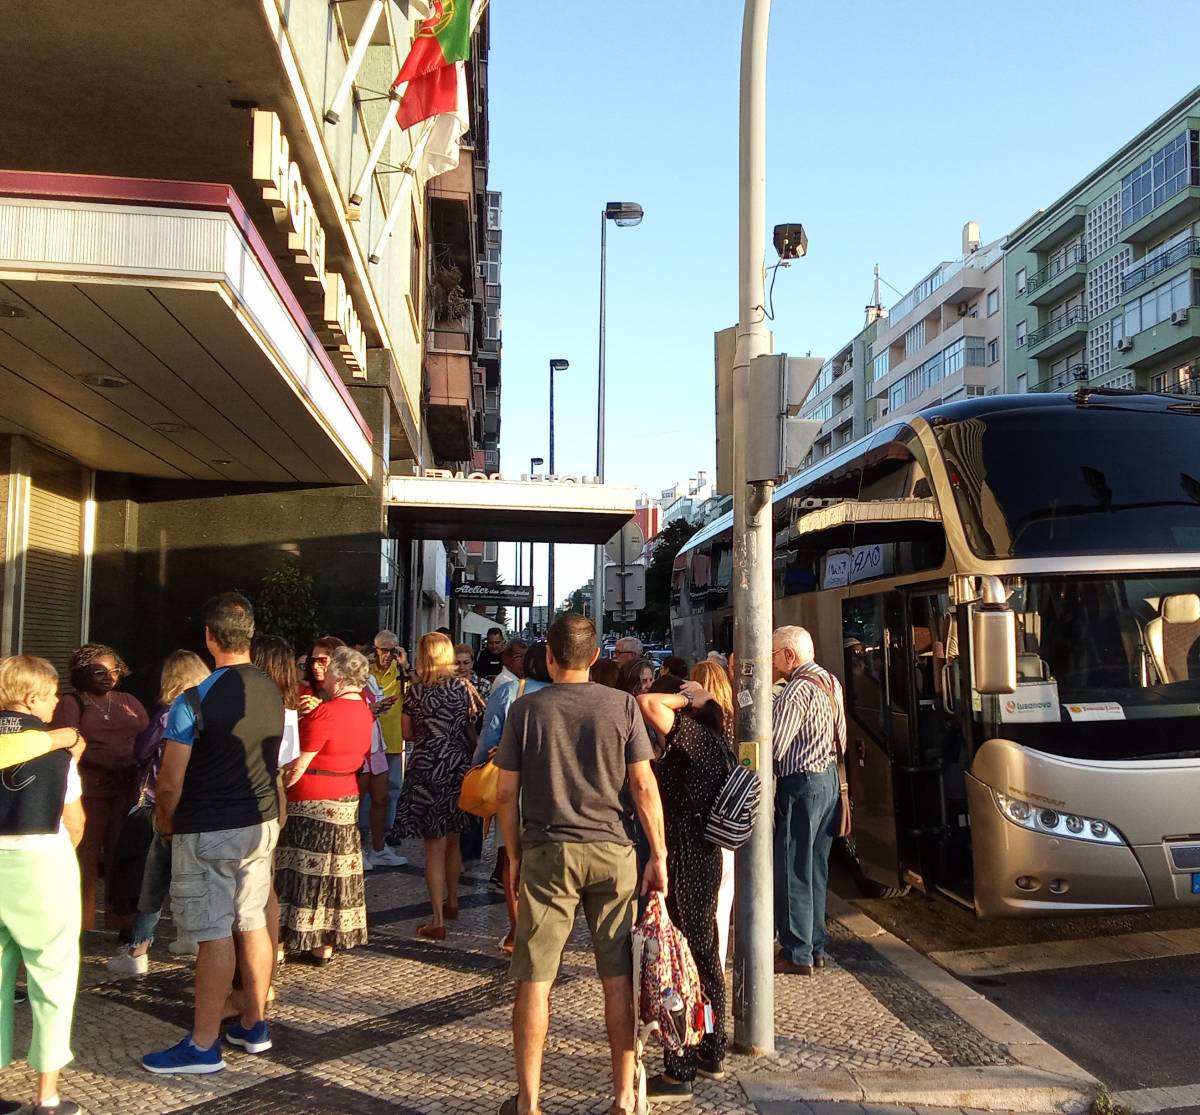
[555,366]
[534,464]
[753,976]
[626,214]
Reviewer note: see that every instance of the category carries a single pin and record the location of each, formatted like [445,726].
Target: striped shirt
[807,725]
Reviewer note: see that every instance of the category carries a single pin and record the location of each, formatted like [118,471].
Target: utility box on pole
[778,440]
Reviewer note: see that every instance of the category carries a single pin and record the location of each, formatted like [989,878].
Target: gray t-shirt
[571,745]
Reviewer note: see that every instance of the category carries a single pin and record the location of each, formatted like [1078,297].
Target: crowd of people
[257,793]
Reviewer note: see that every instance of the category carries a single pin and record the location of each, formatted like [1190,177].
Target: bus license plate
[1196,882]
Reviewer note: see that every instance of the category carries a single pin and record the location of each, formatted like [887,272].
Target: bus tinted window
[862,631]
[1109,476]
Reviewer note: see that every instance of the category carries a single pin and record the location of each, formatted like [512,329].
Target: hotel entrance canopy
[146,328]
[493,509]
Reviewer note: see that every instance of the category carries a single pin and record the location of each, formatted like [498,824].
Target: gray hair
[388,638]
[796,639]
[348,666]
[629,643]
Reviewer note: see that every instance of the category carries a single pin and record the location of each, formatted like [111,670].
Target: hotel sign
[283,188]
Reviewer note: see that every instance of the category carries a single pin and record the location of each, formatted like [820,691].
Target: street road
[1119,995]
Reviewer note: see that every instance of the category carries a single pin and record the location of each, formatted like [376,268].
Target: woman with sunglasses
[110,722]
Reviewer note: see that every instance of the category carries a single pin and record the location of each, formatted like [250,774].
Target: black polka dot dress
[690,774]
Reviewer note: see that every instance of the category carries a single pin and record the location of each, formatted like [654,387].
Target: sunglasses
[322,659]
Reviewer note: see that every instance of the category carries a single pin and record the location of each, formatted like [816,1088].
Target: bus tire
[867,887]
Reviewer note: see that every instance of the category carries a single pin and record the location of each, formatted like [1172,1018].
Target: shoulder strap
[192,696]
[520,687]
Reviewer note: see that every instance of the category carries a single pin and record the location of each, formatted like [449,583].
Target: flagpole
[385,130]
[409,171]
[334,112]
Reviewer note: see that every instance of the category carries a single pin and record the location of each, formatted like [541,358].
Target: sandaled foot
[432,932]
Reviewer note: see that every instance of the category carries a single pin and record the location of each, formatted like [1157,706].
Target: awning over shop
[145,328]
[498,510]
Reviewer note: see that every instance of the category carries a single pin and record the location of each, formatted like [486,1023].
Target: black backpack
[733,813]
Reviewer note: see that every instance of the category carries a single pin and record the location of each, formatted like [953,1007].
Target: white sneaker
[388,857]
[124,963]
[367,864]
[182,946]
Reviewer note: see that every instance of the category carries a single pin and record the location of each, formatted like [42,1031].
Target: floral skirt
[319,876]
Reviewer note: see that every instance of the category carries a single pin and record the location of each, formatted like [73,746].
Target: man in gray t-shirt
[577,758]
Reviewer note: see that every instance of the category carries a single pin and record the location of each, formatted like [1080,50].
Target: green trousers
[39,924]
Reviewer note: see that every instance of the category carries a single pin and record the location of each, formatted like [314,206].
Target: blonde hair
[180,670]
[23,676]
[435,658]
[710,675]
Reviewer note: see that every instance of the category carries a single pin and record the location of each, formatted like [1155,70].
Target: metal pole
[550,545]
[517,607]
[598,565]
[753,976]
[334,112]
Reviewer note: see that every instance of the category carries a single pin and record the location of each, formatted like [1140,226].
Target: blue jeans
[156,881]
[806,822]
[395,780]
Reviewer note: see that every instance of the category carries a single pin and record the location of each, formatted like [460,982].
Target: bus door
[869,730]
[928,754]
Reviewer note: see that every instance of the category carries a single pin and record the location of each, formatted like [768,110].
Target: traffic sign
[626,545]
[624,617]
[625,587]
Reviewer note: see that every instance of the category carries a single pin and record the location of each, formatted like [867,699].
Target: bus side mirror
[994,648]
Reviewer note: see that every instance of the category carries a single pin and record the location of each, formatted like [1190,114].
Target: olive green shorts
[555,878]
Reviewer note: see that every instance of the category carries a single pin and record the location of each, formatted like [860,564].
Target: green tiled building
[1103,287]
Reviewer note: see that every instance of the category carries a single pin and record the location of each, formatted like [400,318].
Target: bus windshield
[1113,477]
[1108,667]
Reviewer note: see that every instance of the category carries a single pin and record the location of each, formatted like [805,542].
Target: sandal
[509,1107]
[506,944]
[432,933]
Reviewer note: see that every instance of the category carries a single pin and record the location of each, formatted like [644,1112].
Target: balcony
[1174,210]
[1068,379]
[1184,380]
[1058,278]
[1161,262]
[1058,334]
[1166,340]
[1057,228]
[449,403]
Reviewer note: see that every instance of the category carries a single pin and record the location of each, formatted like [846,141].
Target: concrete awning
[145,328]
[498,510]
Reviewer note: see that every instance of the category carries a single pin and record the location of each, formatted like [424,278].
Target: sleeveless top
[32,793]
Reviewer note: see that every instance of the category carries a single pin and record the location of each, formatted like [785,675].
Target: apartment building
[1103,285]
[217,341]
[838,399]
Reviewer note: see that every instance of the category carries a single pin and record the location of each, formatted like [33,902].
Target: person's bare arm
[169,787]
[508,814]
[20,747]
[659,709]
[296,768]
[72,816]
[644,787]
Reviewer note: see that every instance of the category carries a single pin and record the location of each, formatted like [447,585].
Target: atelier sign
[448,474]
[283,188]
[481,592]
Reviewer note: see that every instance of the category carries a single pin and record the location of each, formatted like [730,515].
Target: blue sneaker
[187,1056]
[257,1039]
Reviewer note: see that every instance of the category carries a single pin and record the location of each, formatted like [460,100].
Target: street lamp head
[559,365]
[791,241]
[536,462]
[625,213]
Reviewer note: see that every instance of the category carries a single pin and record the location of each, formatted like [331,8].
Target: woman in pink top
[318,864]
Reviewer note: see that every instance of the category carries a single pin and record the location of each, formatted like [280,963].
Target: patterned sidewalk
[408,1027]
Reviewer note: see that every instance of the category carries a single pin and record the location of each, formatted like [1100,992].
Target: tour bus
[1009,589]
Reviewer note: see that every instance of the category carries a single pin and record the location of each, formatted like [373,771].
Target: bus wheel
[867,887]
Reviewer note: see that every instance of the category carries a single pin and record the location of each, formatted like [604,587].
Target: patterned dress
[690,775]
[441,755]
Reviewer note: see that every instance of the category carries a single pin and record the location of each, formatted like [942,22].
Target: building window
[1021,383]
[993,302]
[1173,167]
[993,351]
[1157,305]
[973,310]
[493,212]
[1020,334]
[1021,280]
[897,395]
[879,366]
[914,339]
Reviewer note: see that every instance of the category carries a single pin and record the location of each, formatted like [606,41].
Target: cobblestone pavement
[407,1027]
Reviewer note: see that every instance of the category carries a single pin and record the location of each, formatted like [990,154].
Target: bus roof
[957,411]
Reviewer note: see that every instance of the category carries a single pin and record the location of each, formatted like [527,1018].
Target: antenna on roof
[875,310]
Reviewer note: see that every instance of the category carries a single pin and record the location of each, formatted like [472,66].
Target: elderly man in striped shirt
[808,737]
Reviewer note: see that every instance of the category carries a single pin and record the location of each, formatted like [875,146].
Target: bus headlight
[1052,822]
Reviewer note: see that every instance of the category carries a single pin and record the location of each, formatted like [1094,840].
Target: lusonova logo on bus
[1011,706]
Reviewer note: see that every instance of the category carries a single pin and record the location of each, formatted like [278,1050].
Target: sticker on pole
[745,698]
[748,755]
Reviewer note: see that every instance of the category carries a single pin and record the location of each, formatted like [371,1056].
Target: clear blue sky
[889,126]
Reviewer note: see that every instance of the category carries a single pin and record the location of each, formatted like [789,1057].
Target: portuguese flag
[443,39]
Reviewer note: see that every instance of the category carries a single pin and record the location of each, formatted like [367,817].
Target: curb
[1005,1088]
[1042,1080]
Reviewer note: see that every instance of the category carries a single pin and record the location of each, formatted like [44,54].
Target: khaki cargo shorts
[555,878]
[220,881]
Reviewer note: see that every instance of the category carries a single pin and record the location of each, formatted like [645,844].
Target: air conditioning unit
[963,307]
[1179,317]
[1125,344]
[478,377]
